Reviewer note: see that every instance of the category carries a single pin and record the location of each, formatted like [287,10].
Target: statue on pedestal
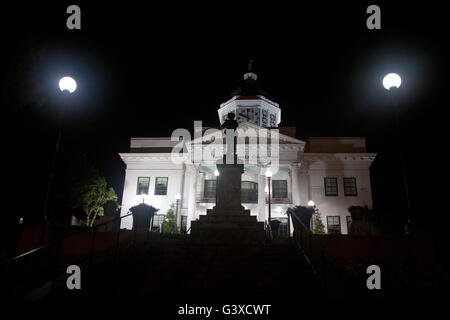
[228,220]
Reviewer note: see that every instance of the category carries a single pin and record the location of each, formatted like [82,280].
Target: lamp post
[67,85]
[312,204]
[216,174]
[269,175]
[392,82]
[177,197]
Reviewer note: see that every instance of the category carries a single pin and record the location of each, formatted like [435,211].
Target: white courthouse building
[331,171]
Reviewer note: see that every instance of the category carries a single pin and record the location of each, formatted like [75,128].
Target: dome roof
[248,87]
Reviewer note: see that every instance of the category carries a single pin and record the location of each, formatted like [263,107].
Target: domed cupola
[250,104]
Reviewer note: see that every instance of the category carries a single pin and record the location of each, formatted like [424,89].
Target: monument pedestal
[227,233]
[228,222]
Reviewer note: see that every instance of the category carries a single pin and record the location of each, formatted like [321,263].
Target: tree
[169,223]
[86,190]
[319,227]
[95,196]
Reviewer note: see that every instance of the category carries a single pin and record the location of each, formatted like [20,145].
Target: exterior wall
[336,145]
[304,173]
[161,202]
[338,205]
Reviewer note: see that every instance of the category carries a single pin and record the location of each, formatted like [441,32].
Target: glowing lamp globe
[177,196]
[392,80]
[311,203]
[216,173]
[268,173]
[67,83]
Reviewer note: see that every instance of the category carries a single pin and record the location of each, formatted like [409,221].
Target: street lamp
[269,175]
[216,174]
[312,205]
[177,197]
[68,86]
[392,82]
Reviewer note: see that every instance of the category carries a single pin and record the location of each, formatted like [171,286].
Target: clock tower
[250,104]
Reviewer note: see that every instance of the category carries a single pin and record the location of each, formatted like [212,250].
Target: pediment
[283,139]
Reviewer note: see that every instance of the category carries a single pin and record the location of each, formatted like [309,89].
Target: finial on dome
[250,64]
[250,75]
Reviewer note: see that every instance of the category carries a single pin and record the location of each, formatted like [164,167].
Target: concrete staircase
[160,269]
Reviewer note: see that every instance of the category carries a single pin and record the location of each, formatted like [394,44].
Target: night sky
[145,71]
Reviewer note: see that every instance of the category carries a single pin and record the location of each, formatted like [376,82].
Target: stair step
[158,270]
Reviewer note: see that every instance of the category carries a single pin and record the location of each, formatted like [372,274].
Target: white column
[199,185]
[261,196]
[304,185]
[181,193]
[295,190]
[192,173]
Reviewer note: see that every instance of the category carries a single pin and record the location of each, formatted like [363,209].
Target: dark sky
[147,70]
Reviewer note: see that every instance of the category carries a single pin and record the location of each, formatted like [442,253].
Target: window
[350,187]
[183,223]
[210,189]
[334,224]
[158,219]
[331,187]
[142,185]
[249,192]
[272,120]
[161,186]
[349,223]
[264,118]
[279,189]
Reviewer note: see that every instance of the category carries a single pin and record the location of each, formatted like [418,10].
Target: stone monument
[228,222]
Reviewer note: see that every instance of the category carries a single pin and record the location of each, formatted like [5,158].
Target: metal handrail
[55,241]
[53,265]
[326,257]
[268,230]
[333,261]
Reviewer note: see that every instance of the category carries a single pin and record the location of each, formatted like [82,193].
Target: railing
[332,278]
[268,232]
[41,266]
[244,199]
[284,200]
